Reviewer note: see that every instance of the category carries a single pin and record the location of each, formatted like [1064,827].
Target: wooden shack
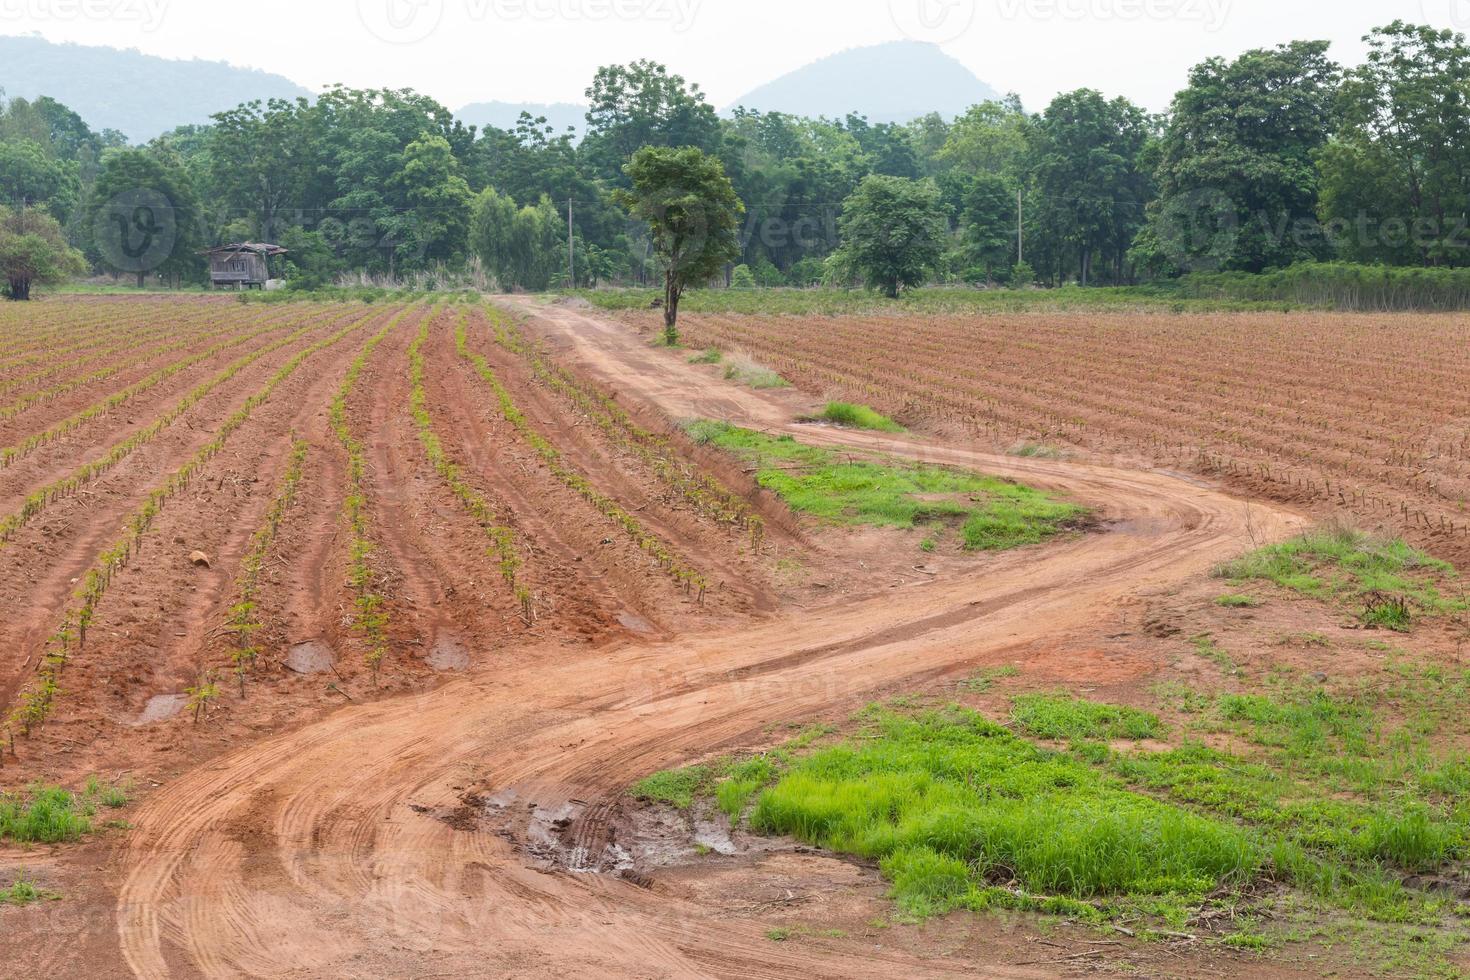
[242,265]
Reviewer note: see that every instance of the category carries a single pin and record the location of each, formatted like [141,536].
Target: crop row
[706,495]
[686,576]
[38,701]
[244,622]
[371,617]
[502,545]
[132,338]
[117,399]
[37,502]
[76,380]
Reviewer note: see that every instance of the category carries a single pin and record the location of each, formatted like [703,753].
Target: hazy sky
[461,51]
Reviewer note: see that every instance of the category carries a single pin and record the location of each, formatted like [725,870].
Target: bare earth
[321,830]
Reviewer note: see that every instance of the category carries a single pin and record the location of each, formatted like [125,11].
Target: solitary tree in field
[693,216]
[893,232]
[33,250]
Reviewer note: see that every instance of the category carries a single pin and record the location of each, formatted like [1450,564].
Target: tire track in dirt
[321,851]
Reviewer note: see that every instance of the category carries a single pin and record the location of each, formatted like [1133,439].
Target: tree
[1237,174]
[1398,175]
[989,214]
[641,104]
[142,215]
[492,221]
[523,248]
[1084,161]
[29,176]
[893,232]
[438,199]
[693,218]
[33,251]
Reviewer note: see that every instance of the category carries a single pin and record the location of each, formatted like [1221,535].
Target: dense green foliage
[33,250]
[1274,158]
[893,233]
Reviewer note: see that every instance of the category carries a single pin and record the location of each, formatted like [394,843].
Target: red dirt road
[341,847]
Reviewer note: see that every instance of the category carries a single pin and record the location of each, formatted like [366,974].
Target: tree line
[1278,156]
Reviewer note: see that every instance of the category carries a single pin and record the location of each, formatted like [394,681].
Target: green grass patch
[23,892]
[711,356]
[850,488]
[1238,602]
[1387,578]
[1064,717]
[676,787]
[1321,811]
[1037,450]
[952,805]
[45,815]
[857,417]
[983,680]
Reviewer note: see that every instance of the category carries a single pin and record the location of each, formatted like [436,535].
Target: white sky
[462,51]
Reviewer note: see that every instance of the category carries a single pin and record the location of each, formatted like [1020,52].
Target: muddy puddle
[623,837]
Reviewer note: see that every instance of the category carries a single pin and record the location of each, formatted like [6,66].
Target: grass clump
[1387,576]
[744,370]
[676,787]
[952,805]
[24,892]
[858,417]
[45,815]
[847,488]
[1063,717]
[1037,450]
[1238,602]
[711,356]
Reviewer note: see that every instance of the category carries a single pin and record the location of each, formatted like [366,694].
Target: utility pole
[571,251]
[1020,231]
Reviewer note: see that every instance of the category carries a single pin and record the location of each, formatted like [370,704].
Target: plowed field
[1361,414]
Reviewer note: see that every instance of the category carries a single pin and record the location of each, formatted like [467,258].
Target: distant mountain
[503,115]
[138,94]
[895,82]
